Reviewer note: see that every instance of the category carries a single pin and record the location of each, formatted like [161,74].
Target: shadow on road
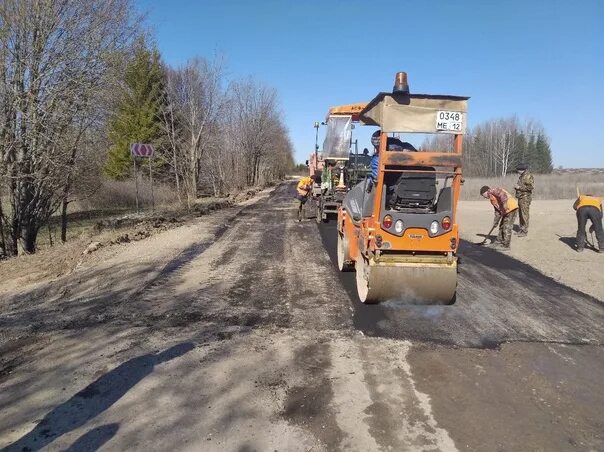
[93,400]
[491,237]
[569,241]
[572,243]
[94,439]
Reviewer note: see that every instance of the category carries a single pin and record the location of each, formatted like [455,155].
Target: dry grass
[122,194]
[113,199]
[547,186]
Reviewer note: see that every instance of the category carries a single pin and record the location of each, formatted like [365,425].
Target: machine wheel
[345,264]
[362,267]
[413,285]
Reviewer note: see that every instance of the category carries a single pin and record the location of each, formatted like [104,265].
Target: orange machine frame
[353,110]
[370,227]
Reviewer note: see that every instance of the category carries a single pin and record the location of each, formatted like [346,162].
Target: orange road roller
[398,228]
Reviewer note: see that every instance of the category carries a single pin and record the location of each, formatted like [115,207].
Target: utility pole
[317,124]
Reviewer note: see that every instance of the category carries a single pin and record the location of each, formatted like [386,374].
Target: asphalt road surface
[238,333]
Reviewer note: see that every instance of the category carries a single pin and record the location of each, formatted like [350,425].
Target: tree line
[211,135]
[79,84]
[495,147]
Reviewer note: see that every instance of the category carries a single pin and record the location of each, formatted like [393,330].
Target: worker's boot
[500,246]
[522,233]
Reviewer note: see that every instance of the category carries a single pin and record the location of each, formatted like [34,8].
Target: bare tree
[258,126]
[494,147]
[172,129]
[53,57]
[196,93]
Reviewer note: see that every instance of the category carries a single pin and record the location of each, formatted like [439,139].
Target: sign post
[135,182]
[143,150]
[151,179]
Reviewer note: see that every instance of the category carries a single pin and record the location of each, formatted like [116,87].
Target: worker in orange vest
[506,208]
[303,190]
[589,207]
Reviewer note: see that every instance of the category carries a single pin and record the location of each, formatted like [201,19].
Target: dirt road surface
[236,332]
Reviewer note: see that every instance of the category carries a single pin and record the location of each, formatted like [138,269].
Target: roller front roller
[430,283]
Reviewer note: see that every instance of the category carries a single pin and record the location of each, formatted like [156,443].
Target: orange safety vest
[304,186]
[585,200]
[501,199]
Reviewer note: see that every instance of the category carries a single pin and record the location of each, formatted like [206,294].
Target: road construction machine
[341,164]
[399,232]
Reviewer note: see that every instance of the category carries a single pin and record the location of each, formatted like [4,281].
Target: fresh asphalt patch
[499,300]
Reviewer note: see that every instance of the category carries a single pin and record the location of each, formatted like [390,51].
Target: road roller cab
[400,233]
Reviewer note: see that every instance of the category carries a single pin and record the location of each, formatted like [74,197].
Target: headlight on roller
[434,227]
[398,226]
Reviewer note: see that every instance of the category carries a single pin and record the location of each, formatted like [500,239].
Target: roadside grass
[547,186]
[88,224]
[122,195]
[113,206]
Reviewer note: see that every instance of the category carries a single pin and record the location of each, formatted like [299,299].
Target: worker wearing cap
[375,159]
[524,194]
[589,207]
[392,144]
[303,189]
[505,206]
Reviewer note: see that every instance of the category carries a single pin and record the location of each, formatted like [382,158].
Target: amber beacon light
[400,83]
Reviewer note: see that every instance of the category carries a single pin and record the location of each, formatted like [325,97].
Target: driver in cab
[392,144]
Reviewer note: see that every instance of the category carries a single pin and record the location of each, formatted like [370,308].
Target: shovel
[593,240]
[487,236]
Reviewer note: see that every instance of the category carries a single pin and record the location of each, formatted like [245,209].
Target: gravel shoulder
[549,245]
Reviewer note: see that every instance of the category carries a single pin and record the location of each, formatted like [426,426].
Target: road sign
[141,150]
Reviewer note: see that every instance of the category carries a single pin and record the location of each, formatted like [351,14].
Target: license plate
[451,121]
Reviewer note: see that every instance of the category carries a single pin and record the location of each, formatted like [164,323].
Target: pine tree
[137,119]
[543,155]
[531,154]
[519,154]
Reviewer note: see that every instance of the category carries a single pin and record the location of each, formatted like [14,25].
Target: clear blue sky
[542,58]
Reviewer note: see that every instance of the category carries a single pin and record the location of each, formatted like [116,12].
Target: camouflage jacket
[502,202]
[526,184]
